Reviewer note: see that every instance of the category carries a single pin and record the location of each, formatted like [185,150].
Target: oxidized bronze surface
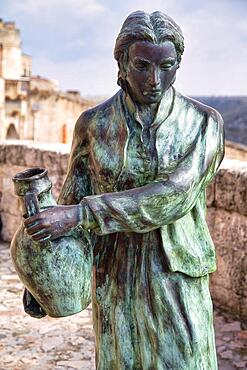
[139,166]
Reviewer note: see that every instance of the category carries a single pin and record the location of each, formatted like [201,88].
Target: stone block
[50,161]
[225,299]
[2,154]
[228,283]
[10,224]
[15,155]
[33,157]
[231,187]
[244,311]
[225,188]
[241,192]
[10,203]
[7,172]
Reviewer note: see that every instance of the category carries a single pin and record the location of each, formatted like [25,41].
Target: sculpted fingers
[31,220]
[37,228]
[52,223]
[41,236]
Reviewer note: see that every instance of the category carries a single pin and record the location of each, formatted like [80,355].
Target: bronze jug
[57,273]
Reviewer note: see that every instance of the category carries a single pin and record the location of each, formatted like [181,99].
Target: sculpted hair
[140,26]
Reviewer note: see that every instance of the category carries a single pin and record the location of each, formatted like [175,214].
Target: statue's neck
[147,113]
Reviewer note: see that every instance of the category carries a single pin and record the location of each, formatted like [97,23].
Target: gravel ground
[68,343]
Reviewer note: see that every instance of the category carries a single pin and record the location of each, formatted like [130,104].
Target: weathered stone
[232,327]
[51,342]
[229,232]
[241,193]
[15,155]
[50,160]
[73,364]
[242,335]
[230,188]
[33,157]
[240,364]
[10,204]
[10,224]
[226,355]
[225,189]
[2,154]
[221,348]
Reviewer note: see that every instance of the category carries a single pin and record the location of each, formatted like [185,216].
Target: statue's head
[148,50]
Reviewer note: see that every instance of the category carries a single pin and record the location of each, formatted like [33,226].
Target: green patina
[57,273]
[140,176]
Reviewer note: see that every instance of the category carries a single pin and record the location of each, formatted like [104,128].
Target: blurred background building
[32,107]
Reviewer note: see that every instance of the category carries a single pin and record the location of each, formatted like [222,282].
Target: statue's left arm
[162,202]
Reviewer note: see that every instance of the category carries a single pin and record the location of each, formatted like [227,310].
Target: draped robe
[143,190]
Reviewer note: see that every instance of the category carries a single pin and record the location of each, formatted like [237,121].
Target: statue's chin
[151,98]
[146,97]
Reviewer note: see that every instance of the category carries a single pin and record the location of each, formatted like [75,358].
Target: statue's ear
[122,82]
[119,78]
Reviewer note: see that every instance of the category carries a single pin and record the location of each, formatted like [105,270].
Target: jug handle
[31,204]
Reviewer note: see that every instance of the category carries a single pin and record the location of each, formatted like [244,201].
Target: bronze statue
[139,166]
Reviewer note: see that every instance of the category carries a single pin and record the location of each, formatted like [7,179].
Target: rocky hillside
[234,111]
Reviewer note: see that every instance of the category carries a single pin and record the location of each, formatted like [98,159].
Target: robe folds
[143,189]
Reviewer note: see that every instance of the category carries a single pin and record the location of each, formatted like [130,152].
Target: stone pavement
[68,343]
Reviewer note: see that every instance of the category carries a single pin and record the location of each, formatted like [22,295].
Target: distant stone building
[32,107]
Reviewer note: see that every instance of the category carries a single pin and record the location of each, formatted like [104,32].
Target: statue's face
[151,70]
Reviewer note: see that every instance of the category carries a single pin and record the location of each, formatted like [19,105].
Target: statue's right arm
[77,183]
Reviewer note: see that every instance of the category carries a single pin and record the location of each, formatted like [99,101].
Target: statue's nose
[154,77]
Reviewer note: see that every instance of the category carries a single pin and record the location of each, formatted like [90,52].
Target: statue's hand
[53,222]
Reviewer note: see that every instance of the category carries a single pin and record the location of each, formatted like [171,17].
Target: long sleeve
[77,183]
[149,207]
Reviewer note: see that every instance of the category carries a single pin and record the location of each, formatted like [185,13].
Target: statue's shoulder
[201,109]
[100,111]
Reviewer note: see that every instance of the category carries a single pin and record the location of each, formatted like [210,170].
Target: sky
[73,41]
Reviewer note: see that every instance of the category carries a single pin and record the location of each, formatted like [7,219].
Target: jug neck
[33,187]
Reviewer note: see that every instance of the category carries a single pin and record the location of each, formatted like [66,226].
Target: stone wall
[227,214]
[227,220]
[236,151]
[15,158]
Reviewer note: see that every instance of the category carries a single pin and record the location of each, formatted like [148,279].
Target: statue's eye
[166,66]
[141,65]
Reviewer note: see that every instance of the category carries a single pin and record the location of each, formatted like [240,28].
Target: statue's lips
[152,92]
